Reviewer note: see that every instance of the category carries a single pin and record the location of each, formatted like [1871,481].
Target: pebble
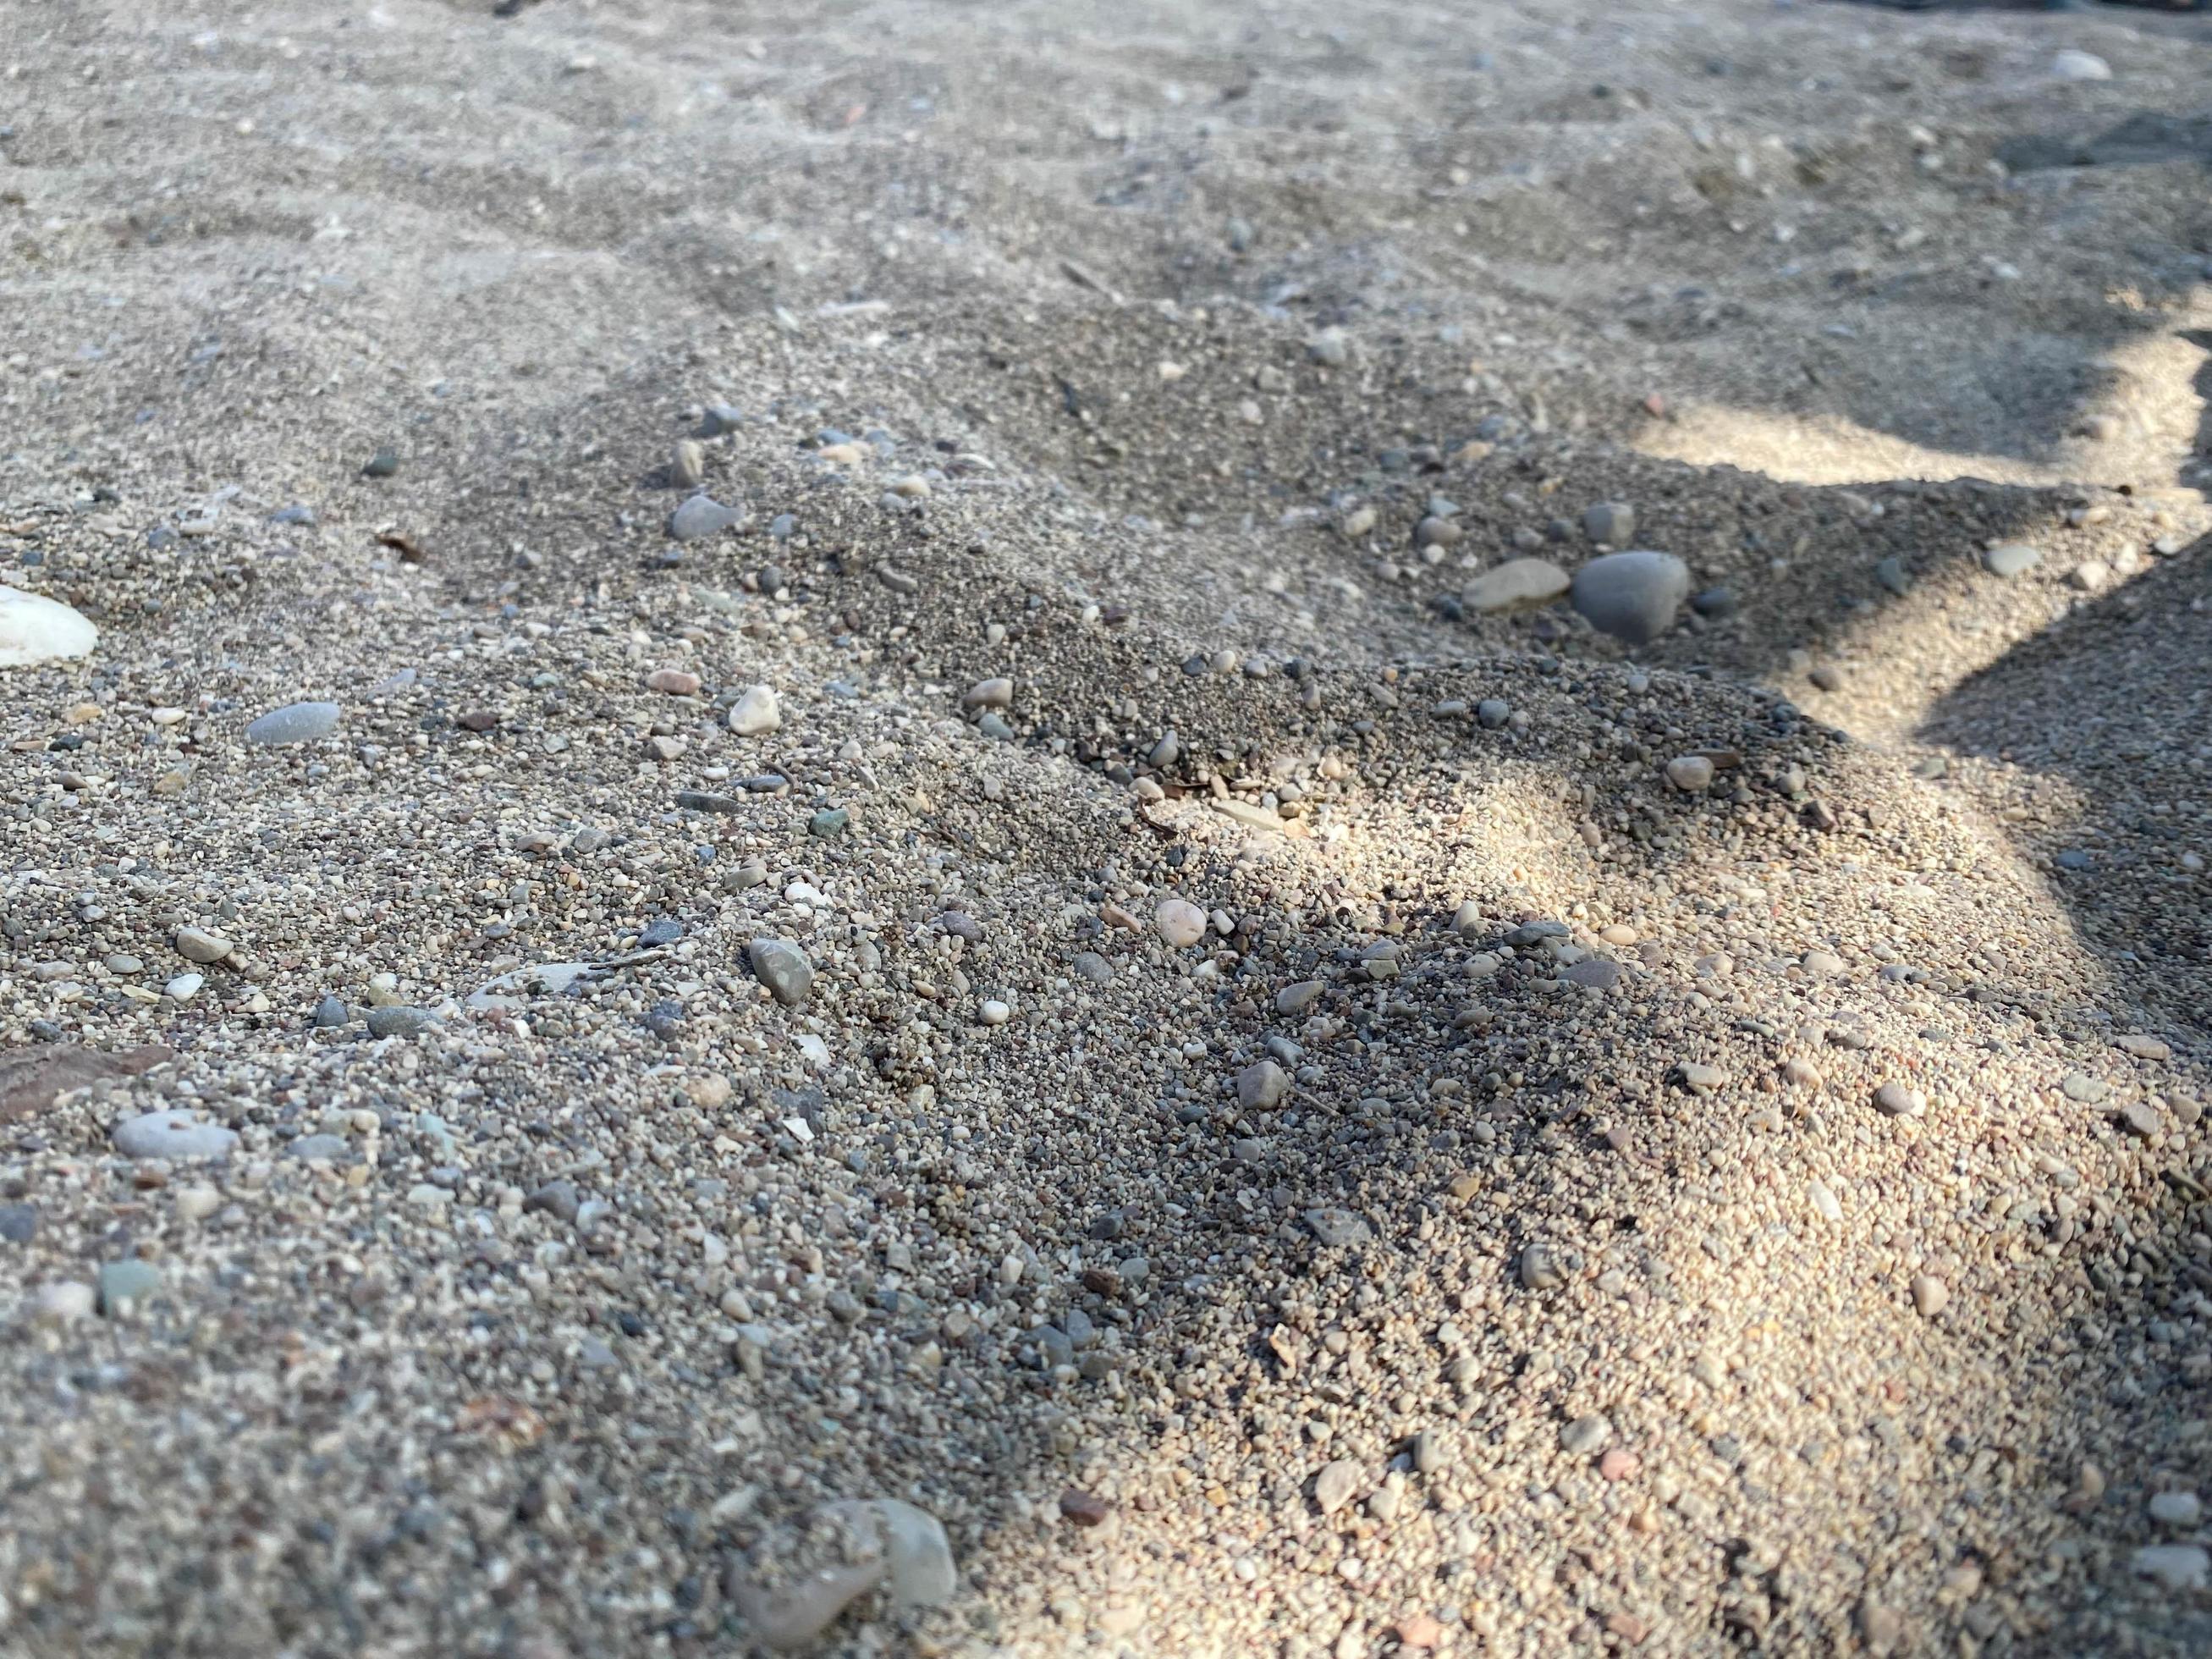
[1929,1294]
[1892,574]
[2176,1508]
[1827,677]
[755,712]
[2011,559]
[18,1223]
[1610,524]
[197,945]
[296,722]
[1592,973]
[784,968]
[331,1011]
[1540,1269]
[700,516]
[1090,965]
[992,1012]
[34,629]
[197,1201]
[2176,1567]
[688,464]
[1632,596]
[1262,1086]
[124,1285]
[674,682]
[64,1303]
[1585,1435]
[396,1019]
[1296,999]
[1338,1229]
[1332,348]
[1700,1079]
[1179,922]
[994,693]
[2082,1088]
[1894,1099]
[1691,774]
[183,987]
[2072,63]
[382,464]
[1714,602]
[1082,1508]
[1336,1484]
[323,1148]
[173,1132]
[1517,585]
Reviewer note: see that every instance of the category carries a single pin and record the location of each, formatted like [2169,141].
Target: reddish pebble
[478,720]
[674,681]
[1628,1627]
[1618,1464]
[1419,1630]
[1083,1508]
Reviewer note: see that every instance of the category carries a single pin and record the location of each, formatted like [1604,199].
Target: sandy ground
[1384,1169]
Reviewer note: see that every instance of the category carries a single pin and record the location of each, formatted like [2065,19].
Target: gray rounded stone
[701,515]
[1090,965]
[295,722]
[1261,1085]
[2011,559]
[783,968]
[173,1132]
[400,1021]
[1634,596]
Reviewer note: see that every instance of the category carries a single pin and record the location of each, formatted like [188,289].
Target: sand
[1189,1093]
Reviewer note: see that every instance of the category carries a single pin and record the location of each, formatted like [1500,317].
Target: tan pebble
[1930,1293]
[198,1202]
[1801,1073]
[1420,1631]
[1618,933]
[689,463]
[708,1092]
[1691,774]
[676,682]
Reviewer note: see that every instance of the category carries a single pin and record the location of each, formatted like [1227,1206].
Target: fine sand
[1324,1122]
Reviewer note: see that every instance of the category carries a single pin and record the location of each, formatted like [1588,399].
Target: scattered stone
[1691,774]
[1592,973]
[1610,524]
[2176,1508]
[1540,1268]
[673,682]
[1632,596]
[1179,922]
[330,1013]
[687,467]
[183,987]
[1081,1509]
[1517,585]
[2176,1567]
[784,968]
[1894,1099]
[1332,348]
[381,464]
[1929,1294]
[997,693]
[1262,1086]
[701,516]
[2011,559]
[1339,1228]
[1586,1435]
[1337,1484]
[756,713]
[2072,63]
[2082,1088]
[297,722]
[174,1132]
[64,1303]
[124,1285]
[396,1019]
[1700,1079]
[1296,999]
[34,629]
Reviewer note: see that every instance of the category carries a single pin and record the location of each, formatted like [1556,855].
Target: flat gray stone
[2011,559]
[1595,973]
[1338,1229]
[295,722]
[1635,596]
[1262,1085]
[1089,964]
[398,1020]
[124,1285]
[701,515]
[173,1132]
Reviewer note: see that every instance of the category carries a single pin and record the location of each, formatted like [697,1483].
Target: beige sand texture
[1172,1086]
